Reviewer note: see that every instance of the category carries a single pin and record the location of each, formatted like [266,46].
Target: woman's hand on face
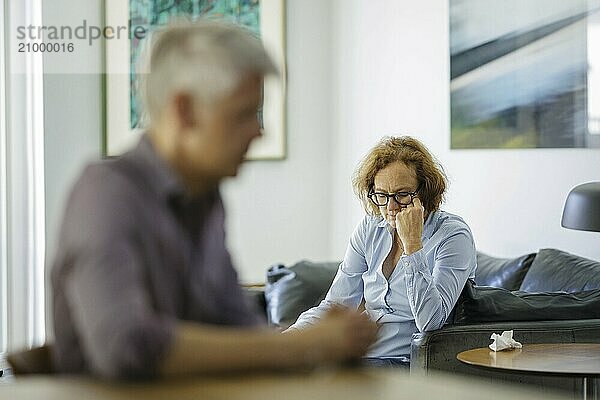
[409,225]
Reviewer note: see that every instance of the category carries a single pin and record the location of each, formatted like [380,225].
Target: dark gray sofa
[552,297]
[545,297]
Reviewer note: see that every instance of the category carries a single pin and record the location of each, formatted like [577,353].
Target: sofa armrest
[437,350]
[256,298]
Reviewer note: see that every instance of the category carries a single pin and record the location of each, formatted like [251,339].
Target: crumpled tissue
[504,341]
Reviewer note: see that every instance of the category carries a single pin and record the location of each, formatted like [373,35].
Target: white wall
[512,199]
[278,211]
[72,119]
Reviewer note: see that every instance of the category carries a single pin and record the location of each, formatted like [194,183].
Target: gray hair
[205,58]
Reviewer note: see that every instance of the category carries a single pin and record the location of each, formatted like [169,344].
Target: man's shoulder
[96,172]
[103,188]
[105,178]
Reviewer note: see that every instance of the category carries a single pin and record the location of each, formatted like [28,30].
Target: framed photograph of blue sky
[525,74]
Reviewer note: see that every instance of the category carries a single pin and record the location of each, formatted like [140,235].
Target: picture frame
[119,135]
[523,74]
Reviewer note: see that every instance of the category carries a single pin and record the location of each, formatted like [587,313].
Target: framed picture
[524,74]
[122,115]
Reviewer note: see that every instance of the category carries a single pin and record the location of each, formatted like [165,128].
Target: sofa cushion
[489,304]
[557,271]
[291,291]
[507,273]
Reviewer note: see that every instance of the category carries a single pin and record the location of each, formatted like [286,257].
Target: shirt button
[406,263]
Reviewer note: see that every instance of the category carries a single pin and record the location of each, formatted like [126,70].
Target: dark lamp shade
[582,208]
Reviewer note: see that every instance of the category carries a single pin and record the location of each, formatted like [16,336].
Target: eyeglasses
[382,199]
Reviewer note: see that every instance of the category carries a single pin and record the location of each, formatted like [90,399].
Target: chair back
[34,361]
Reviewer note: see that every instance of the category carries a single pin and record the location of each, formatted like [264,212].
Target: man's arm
[122,335]
[198,349]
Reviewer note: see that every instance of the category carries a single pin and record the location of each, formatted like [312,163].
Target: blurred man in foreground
[143,284]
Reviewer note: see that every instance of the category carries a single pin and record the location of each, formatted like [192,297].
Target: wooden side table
[567,359]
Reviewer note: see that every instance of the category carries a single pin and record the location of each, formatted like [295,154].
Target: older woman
[407,261]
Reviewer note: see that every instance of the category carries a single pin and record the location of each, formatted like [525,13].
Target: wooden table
[322,384]
[567,359]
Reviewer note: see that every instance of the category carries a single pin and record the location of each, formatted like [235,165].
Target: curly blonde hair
[432,180]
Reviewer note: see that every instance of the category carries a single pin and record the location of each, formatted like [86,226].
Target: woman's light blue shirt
[421,291]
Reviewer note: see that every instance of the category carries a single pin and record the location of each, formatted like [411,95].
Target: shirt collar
[430,224]
[159,176]
[382,223]
[163,180]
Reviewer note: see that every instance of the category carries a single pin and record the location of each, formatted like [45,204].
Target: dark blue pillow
[507,273]
[291,291]
[488,304]
[558,271]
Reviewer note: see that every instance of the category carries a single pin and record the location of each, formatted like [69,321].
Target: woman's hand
[409,225]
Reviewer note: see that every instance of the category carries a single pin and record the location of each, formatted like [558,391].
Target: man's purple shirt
[135,256]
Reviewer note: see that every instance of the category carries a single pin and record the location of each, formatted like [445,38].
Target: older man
[143,284]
